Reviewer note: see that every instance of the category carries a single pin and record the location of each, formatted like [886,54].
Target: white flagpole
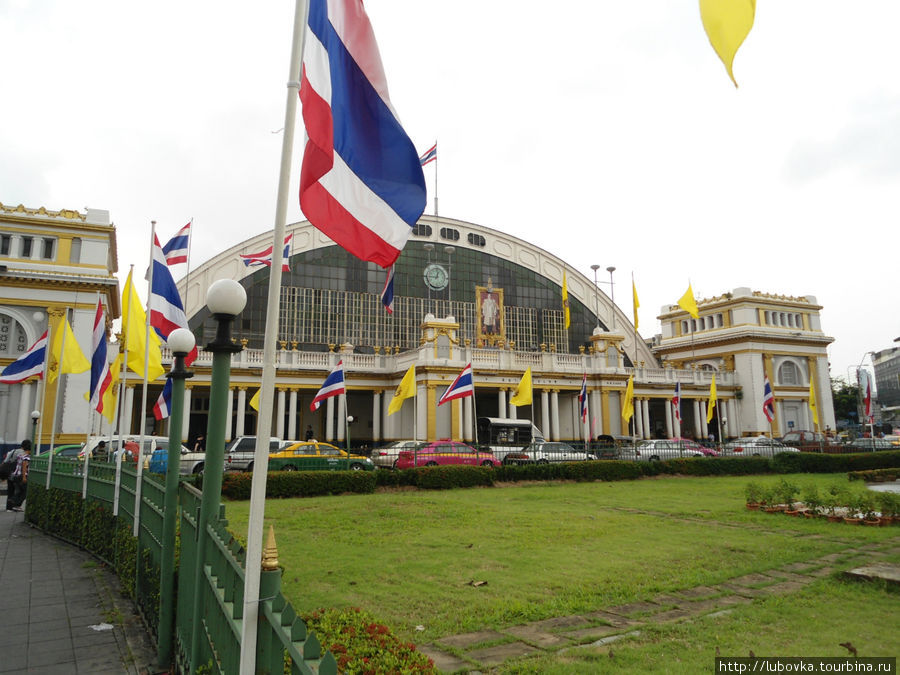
[59,363]
[264,426]
[43,393]
[435,181]
[121,406]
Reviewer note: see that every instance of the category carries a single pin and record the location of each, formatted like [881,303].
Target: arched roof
[228,265]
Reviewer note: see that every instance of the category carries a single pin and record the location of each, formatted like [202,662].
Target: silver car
[659,449]
[755,446]
[386,457]
[545,452]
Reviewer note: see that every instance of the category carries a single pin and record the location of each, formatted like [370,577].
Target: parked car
[317,456]
[690,444]
[658,449]
[241,451]
[756,446]
[385,457]
[607,446]
[805,440]
[190,462]
[546,452]
[872,444]
[69,451]
[445,452]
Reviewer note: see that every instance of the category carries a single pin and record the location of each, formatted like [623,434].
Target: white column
[341,419]
[4,408]
[698,430]
[501,402]
[229,416]
[129,408]
[329,419]
[545,413]
[807,416]
[669,419]
[645,411]
[782,422]
[25,413]
[596,420]
[704,427]
[241,411]
[513,411]
[638,418]
[421,428]
[279,427]
[376,416]
[186,416]
[468,435]
[292,415]
[731,415]
[554,415]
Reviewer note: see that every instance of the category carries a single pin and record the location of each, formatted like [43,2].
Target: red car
[689,444]
[445,452]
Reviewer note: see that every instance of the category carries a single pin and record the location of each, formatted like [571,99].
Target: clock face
[436,277]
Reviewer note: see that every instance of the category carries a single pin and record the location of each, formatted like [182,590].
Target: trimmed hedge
[317,483]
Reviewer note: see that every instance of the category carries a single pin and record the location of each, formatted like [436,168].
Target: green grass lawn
[549,550]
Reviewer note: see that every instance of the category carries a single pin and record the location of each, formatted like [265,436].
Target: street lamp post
[226,299]
[181,341]
[35,416]
[612,294]
[349,422]
[596,295]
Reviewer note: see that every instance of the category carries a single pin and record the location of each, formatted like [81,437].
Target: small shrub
[753,492]
[811,498]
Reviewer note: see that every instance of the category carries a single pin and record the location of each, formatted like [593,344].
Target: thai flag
[768,401]
[461,387]
[868,398]
[30,364]
[178,247]
[582,399]
[333,385]
[429,156]
[387,293]
[166,314]
[100,375]
[676,402]
[265,257]
[361,182]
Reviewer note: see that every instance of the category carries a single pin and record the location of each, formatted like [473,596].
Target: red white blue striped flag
[176,249]
[461,387]
[30,364]
[332,386]
[429,156]
[361,182]
[100,375]
[265,257]
[387,293]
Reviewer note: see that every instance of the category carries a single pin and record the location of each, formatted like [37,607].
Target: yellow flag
[254,400]
[65,354]
[688,304]
[628,403]
[406,389]
[522,395]
[134,329]
[727,23]
[111,395]
[712,400]
[565,299]
[636,303]
[812,404]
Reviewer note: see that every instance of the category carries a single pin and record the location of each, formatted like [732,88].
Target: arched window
[787,373]
[13,341]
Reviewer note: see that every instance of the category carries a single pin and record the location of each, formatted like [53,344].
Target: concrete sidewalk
[61,610]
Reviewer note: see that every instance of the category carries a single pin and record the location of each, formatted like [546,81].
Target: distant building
[887,382]
[52,264]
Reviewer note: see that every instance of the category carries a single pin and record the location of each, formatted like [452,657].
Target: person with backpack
[16,484]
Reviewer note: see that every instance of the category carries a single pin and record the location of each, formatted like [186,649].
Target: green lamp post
[181,341]
[225,299]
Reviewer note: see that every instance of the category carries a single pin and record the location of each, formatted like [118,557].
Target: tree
[846,400]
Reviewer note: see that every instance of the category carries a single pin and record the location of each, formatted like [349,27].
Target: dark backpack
[7,468]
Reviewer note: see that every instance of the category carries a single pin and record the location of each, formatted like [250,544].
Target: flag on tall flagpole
[429,155]
[163,406]
[332,386]
[628,403]
[567,317]
[712,400]
[636,303]
[867,397]
[177,248]
[461,387]
[522,394]
[387,293]
[30,364]
[406,389]
[582,398]
[134,335]
[361,182]
[264,257]
[66,355]
[100,375]
[688,304]
[727,25]
[111,395]
[254,400]
[676,402]
[768,401]
[813,408]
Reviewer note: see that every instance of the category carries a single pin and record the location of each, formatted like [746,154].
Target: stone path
[483,650]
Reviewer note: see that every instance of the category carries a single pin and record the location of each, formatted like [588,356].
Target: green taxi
[317,456]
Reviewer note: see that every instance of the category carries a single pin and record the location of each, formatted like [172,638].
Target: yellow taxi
[317,456]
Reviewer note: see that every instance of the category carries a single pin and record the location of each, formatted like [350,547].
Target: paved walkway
[483,650]
[61,610]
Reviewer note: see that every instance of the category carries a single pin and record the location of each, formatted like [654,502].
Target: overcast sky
[603,132]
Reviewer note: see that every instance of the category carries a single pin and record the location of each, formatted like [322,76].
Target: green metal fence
[78,506]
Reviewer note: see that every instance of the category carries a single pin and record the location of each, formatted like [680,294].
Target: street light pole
[612,294]
[35,416]
[226,299]
[181,341]
[596,295]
